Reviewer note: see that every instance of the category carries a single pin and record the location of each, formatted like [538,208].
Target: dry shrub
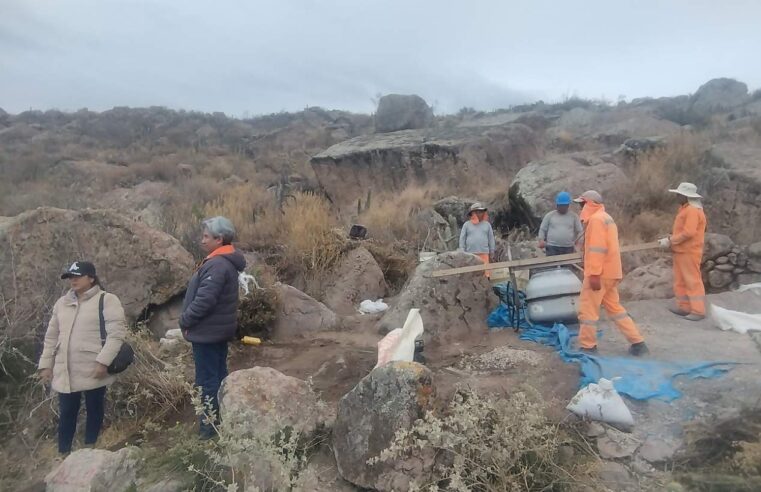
[258,309]
[393,216]
[487,443]
[683,159]
[646,226]
[240,204]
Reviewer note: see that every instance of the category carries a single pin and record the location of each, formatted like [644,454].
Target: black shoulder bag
[126,355]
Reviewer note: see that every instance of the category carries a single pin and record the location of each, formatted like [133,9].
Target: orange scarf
[222,250]
[590,208]
[474,218]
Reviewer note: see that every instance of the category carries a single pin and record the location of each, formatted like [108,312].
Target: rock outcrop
[451,307]
[733,191]
[96,470]
[356,278]
[142,266]
[391,398]
[719,94]
[402,112]
[392,161]
[453,207]
[653,281]
[534,188]
[301,315]
[269,400]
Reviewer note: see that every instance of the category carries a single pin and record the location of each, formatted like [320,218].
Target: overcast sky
[255,57]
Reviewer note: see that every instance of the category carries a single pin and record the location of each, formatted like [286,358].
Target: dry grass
[393,216]
[645,209]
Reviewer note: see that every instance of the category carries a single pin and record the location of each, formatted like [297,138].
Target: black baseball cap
[80,269]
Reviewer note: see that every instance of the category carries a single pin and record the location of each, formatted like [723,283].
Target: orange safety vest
[688,234]
[602,253]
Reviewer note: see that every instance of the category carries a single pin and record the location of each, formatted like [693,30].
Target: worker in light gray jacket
[477,235]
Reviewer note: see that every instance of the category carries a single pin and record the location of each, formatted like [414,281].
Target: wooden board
[534,262]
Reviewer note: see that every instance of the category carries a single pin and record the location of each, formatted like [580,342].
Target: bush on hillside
[487,443]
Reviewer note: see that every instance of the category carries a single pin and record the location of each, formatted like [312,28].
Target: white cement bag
[413,328]
[372,307]
[387,346]
[726,319]
[602,402]
[755,288]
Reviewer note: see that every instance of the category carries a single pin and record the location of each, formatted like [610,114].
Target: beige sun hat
[589,196]
[687,189]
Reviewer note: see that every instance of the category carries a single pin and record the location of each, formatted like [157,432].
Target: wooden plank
[535,262]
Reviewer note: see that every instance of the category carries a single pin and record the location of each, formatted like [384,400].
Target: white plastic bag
[726,319]
[602,402]
[755,288]
[244,279]
[372,307]
[387,345]
[413,328]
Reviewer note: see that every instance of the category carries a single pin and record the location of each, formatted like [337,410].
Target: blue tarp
[504,315]
[640,379]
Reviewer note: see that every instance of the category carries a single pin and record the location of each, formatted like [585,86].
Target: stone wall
[727,265]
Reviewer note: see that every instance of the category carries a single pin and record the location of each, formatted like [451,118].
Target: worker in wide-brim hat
[477,235]
[602,274]
[686,244]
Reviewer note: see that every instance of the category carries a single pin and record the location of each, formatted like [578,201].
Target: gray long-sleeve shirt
[561,230]
[477,238]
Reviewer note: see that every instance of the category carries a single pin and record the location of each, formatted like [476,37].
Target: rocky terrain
[307,409]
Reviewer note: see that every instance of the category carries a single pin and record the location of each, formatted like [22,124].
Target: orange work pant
[589,313]
[688,283]
[485,258]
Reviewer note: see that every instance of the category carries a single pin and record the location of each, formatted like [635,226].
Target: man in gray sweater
[477,235]
[561,229]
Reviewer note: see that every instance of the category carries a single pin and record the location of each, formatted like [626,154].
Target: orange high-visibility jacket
[602,255]
[689,230]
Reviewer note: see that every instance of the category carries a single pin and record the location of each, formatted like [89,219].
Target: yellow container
[251,341]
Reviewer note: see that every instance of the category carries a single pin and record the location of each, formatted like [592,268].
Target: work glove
[665,243]
[595,283]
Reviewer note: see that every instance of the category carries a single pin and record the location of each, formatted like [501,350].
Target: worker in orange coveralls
[686,242]
[602,274]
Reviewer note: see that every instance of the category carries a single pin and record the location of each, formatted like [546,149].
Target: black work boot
[639,349]
[592,350]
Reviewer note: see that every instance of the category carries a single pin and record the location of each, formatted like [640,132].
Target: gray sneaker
[678,311]
[695,317]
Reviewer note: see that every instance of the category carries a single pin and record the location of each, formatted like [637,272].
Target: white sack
[602,402]
[726,319]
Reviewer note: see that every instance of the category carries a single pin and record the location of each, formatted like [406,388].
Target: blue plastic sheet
[640,379]
[504,315]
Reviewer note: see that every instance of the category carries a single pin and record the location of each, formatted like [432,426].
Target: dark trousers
[558,250]
[68,404]
[211,368]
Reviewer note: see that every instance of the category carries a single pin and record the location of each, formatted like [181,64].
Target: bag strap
[102,319]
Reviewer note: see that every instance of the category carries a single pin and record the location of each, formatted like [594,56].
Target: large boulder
[301,315]
[145,201]
[143,266]
[390,162]
[356,278]
[653,281]
[269,400]
[95,470]
[719,94]
[453,206]
[733,191]
[534,188]
[453,307]
[390,399]
[402,112]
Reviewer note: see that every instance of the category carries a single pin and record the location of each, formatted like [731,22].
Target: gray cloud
[264,56]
